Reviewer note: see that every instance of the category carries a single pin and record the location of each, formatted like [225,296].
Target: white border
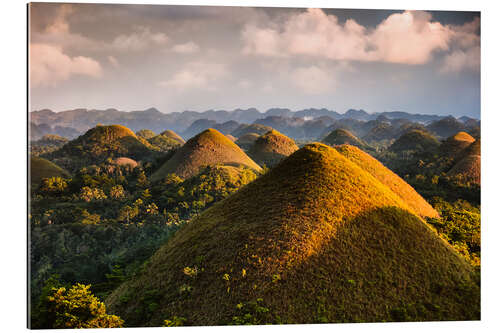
[13,191]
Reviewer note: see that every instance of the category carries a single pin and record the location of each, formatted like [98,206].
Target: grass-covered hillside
[316,239]
[342,136]
[41,168]
[246,141]
[101,143]
[416,140]
[210,147]
[270,148]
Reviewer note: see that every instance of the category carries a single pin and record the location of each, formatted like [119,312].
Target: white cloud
[410,37]
[459,60]
[197,75]
[140,39]
[313,80]
[113,61]
[186,48]
[49,65]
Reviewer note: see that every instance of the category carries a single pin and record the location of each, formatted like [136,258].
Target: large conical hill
[468,165]
[270,148]
[210,147]
[316,239]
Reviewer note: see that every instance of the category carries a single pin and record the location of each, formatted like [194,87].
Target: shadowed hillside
[210,147]
[270,148]
[453,145]
[416,140]
[342,136]
[246,141]
[469,163]
[41,168]
[316,239]
[252,128]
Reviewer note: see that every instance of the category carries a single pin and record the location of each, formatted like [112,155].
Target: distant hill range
[299,125]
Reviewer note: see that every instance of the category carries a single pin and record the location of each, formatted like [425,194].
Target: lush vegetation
[329,235]
[99,226]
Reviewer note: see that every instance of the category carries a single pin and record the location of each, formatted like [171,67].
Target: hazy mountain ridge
[80,120]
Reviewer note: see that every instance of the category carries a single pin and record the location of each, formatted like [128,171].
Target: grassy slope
[252,128]
[210,147]
[342,136]
[41,168]
[102,142]
[456,144]
[390,179]
[318,239]
[415,140]
[171,134]
[271,148]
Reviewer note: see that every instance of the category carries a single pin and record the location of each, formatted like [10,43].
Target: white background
[13,115]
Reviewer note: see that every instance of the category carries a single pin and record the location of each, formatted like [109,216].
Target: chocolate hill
[316,239]
[270,148]
[210,147]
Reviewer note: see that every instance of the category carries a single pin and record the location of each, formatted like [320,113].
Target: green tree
[78,308]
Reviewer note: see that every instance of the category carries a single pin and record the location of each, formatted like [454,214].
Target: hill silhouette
[342,136]
[210,147]
[41,168]
[102,142]
[252,128]
[388,178]
[246,141]
[316,239]
[415,139]
[455,144]
[271,148]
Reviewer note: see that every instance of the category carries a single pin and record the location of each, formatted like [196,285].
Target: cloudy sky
[176,58]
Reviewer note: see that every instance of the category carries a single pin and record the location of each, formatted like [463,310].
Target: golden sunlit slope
[41,168]
[270,148]
[455,144]
[415,139]
[316,239]
[210,147]
[388,178]
[342,136]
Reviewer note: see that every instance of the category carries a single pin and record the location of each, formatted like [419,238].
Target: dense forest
[97,215]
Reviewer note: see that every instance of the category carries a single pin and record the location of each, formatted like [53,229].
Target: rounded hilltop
[416,140]
[166,141]
[316,239]
[172,135]
[41,168]
[208,148]
[247,140]
[342,136]
[270,148]
[250,128]
[455,144]
[468,165]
